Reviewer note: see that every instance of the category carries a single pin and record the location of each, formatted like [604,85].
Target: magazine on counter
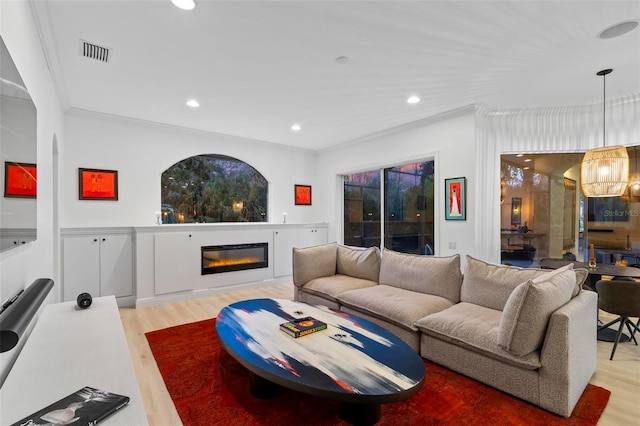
[87,406]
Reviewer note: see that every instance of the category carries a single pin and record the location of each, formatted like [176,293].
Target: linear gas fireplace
[234,257]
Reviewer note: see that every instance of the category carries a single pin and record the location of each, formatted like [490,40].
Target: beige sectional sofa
[527,332]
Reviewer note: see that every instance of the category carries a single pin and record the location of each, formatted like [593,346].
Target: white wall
[449,139]
[141,151]
[21,266]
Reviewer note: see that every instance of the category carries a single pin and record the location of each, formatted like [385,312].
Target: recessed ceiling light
[184,4]
[526,168]
[342,59]
[618,29]
[193,103]
[296,127]
[527,160]
[519,155]
[413,99]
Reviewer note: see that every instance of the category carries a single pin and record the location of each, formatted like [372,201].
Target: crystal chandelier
[604,172]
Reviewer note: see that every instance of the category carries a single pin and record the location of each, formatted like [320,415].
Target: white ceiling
[257,67]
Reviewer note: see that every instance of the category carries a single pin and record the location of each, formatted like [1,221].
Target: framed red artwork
[455,199]
[20,180]
[96,184]
[303,195]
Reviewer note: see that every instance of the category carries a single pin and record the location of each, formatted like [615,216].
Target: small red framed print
[303,195]
[20,180]
[96,184]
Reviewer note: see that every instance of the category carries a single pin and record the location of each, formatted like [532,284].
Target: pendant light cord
[604,109]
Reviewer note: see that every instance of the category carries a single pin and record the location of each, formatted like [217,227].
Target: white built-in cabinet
[177,262]
[284,240]
[314,236]
[100,264]
[146,265]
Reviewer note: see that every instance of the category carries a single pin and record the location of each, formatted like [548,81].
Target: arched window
[213,188]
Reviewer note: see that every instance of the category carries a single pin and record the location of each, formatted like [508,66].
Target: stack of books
[302,326]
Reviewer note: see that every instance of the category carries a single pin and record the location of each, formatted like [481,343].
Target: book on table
[86,406]
[302,326]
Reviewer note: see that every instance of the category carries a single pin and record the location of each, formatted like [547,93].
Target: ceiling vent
[95,51]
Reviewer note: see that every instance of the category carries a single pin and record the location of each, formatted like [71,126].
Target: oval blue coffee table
[354,361]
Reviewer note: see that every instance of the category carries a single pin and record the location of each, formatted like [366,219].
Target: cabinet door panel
[284,240]
[81,267]
[116,265]
[315,236]
[177,262]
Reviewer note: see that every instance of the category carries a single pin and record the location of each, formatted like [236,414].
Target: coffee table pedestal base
[262,388]
[360,414]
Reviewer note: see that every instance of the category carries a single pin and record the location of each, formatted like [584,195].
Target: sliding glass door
[406,206]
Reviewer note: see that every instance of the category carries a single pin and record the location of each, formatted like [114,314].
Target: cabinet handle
[95,240]
[104,239]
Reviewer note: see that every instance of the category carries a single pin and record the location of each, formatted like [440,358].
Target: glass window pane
[362,209]
[408,208]
[213,188]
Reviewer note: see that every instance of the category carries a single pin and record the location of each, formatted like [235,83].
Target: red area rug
[208,387]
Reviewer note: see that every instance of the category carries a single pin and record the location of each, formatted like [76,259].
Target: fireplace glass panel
[235,257]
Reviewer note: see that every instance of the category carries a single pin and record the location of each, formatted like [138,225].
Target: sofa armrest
[569,353]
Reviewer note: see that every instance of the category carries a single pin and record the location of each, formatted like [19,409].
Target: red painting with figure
[455,199]
[20,180]
[95,184]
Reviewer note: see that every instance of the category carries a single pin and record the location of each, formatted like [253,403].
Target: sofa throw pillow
[526,314]
[440,276]
[581,276]
[490,285]
[359,262]
[314,262]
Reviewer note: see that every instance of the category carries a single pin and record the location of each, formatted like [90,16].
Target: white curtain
[540,130]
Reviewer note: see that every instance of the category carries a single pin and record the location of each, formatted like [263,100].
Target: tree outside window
[213,188]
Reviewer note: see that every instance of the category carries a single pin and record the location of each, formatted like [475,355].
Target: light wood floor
[621,376]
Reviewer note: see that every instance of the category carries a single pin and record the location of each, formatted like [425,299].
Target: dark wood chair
[622,298]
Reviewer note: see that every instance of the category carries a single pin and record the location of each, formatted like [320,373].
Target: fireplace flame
[231,262]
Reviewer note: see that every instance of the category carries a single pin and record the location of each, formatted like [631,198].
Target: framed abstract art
[455,199]
[302,195]
[96,184]
[20,180]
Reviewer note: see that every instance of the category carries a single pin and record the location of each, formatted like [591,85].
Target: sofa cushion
[475,328]
[331,287]
[395,305]
[440,276]
[358,262]
[313,262]
[524,320]
[490,285]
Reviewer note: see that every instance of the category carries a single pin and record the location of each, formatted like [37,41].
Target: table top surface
[353,360]
[600,269]
[69,349]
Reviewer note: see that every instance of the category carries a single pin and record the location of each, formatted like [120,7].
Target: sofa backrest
[314,262]
[490,285]
[440,276]
[358,262]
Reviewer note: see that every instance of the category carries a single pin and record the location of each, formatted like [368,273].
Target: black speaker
[84,300]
